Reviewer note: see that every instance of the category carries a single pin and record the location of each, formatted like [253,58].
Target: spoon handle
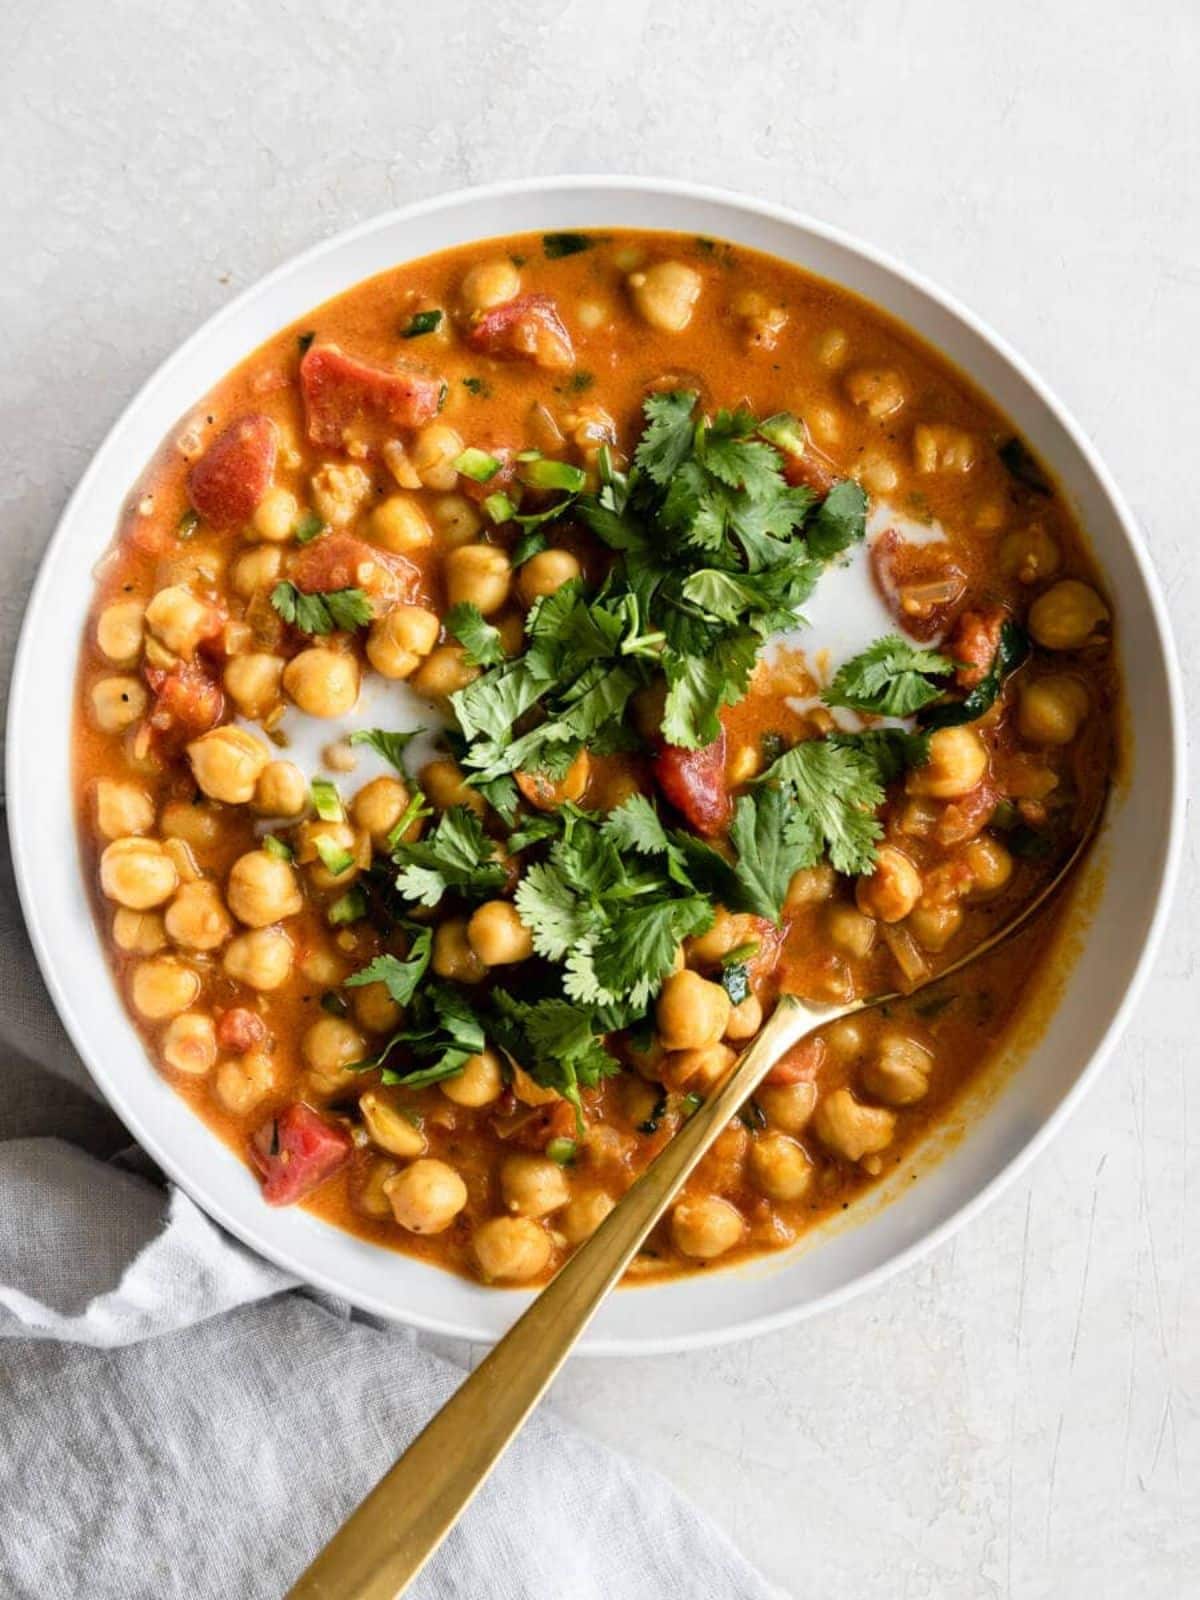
[385,1542]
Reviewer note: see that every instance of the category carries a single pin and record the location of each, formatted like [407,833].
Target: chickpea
[1051,710]
[457,520]
[256,569]
[399,524]
[262,889]
[893,889]
[227,763]
[665,294]
[330,1045]
[281,790]
[497,935]
[697,1070]
[197,918]
[436,448]
[990,864]
[780,1167]
[453,955]
[1029,554]
[375,1010]
[933,926]
[261,959]
[399,640]
[547,793]
[512,1248]
[243,1084]
[788,1106]
[137,873]
[117,703]
[691,1011]
[809,886]
[378,807]
[938,447]
[427,1196]
[877,391]
[491,283]
[122,809]
[581,1216]
[252,682]
[957,762]
[323,683]
[275,515]
[1067,616]
[852,1130]
[533,1186]
[445,786]
[390,1129]
[444,671]
[546,573]
[727,933]
[338,491]
[705,1226]
[478,1084]
[478,574]
[898,1071]
[190,1043]
[119,631]
[850,931]
[138,932]
[372,1197]
[745,1019]
[178,619]
[163,987]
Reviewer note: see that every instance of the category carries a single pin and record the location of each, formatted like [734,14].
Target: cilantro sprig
[325,611]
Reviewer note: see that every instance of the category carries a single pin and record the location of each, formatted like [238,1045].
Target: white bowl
[1003,1129]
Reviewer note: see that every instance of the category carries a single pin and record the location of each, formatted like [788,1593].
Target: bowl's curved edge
[21,697]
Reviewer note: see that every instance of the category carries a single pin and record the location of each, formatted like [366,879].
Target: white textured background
[1021,1415]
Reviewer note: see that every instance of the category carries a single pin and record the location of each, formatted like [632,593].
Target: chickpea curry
[457,789]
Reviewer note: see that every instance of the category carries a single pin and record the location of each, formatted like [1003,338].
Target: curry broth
[828,361]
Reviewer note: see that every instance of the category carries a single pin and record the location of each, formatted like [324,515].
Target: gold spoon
[382,1546]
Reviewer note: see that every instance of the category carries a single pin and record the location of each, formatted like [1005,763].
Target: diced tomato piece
[296,1152]
[187,702]
[812,470]
[801,1064]
[694,782]
[340,561]
[240,1029]
[528,328]
[967,816]
[235,472]
[346,398]
[973,644]
[919,583]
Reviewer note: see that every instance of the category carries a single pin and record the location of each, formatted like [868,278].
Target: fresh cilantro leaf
[456,856]
[308,527]
[772,844]
[391,746]
[421,322]
[634,954]
[635,825]
[531,543]
[668,434]
[890,678]
[840,520]
[478,637]
[698,686]
[554,1042]
[893,750]
[322,612]
[399,978]
[835,792]
[557,918]
[442,1032]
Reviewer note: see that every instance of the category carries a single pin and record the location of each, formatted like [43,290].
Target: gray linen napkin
[178,1420]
